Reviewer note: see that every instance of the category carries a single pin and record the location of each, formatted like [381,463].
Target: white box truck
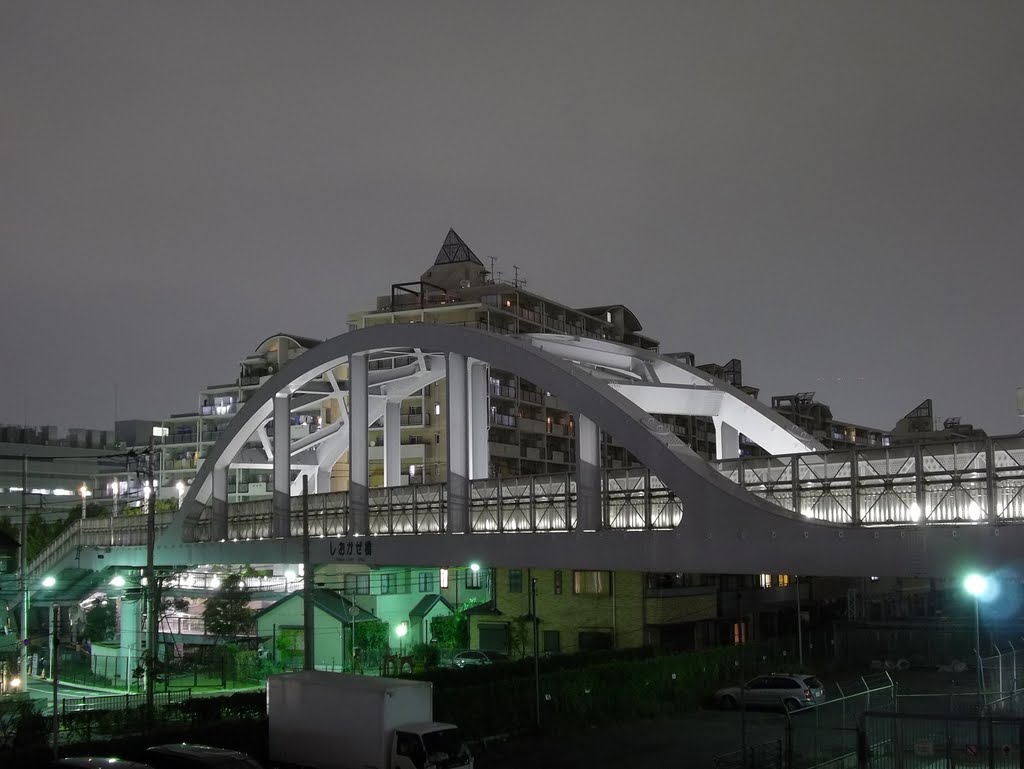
[342,721]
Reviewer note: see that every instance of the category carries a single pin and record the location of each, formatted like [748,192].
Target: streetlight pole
[23,569]
[977,585]
[151,592]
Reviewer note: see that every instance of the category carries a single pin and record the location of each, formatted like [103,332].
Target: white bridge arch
[610,387]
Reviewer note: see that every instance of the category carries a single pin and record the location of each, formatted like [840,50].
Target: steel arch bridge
[678,513]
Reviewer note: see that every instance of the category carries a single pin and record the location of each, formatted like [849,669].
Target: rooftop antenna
[515,280]
[499,276]
[493,260]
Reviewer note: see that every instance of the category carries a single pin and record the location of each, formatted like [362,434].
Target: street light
[84,491]
[401,631]
[977,585]
[117,581]
[49,581]
[180,486]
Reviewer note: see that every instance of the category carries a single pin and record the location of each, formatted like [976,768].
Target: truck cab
[429,745]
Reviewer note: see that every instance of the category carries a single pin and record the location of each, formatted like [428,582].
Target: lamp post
[977,585]
[84,491]
[401,631]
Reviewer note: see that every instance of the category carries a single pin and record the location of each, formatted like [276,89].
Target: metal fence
[828,731]
[921,741]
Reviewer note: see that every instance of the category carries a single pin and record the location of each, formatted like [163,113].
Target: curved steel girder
[705,493]
[765,427]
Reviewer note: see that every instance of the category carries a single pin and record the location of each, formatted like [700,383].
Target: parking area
[695,739]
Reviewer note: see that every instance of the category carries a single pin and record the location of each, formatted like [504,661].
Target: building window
[515,581]
[426,582]
[558,583]
[782,580]
[591,583]
[766,580]
[552,643]
[595,640]
[739,632]
[473,579]
[387,583]
[358,584]
[442,578]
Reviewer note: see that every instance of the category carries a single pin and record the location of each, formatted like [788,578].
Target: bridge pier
[588,474]
[727,439]
[358,446]
[393,443]
[478,454]
[219,513]
[280,520]
[458,445]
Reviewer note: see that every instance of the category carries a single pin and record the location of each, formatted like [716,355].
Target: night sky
[831,192]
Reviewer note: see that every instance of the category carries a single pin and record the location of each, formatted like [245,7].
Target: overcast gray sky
[831,192]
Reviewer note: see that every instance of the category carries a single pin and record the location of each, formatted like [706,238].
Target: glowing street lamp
[180,486]
[976,585]
[401,631]
[117,581]
[49,581]
[84,491]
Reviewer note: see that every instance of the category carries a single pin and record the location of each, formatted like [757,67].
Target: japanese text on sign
[351,549]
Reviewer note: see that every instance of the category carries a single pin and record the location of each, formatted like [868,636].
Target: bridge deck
[964,482]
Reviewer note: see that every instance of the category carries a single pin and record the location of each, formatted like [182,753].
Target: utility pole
[55,649]
[23,571]
[799,625]
[307,583]
[536,645]
[151,591]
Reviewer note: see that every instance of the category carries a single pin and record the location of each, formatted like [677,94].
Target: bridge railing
[943,482]
[632,499]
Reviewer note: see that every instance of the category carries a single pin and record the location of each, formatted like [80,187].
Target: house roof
[454,249]
[427,603]
[328,601]
[482,608]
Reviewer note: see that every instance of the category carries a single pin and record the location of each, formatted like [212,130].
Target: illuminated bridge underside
[682,514]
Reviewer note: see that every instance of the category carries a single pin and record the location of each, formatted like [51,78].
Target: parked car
[792,691]
[478,657]
[185,756]
[95,762]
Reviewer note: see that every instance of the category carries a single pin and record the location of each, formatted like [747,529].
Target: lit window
[442,575]
[437,409]
[591,583]
[766,580]
[783,580]
[739,632]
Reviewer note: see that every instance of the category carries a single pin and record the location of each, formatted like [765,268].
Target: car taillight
[807,693]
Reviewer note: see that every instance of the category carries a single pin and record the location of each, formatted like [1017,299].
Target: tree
[451,631]
[227,614]
[372,636]
[100,622]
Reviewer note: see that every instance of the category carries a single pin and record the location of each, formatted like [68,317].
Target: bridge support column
[727,440]
[393,443]
[588,474]
[478,420]
[219,512]
[282,510]
[458,445]
[358,447]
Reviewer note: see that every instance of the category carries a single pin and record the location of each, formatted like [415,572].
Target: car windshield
[445,747]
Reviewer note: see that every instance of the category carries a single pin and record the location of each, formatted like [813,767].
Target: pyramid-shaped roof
[454,250]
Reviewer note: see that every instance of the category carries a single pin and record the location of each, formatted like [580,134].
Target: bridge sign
[351,549]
